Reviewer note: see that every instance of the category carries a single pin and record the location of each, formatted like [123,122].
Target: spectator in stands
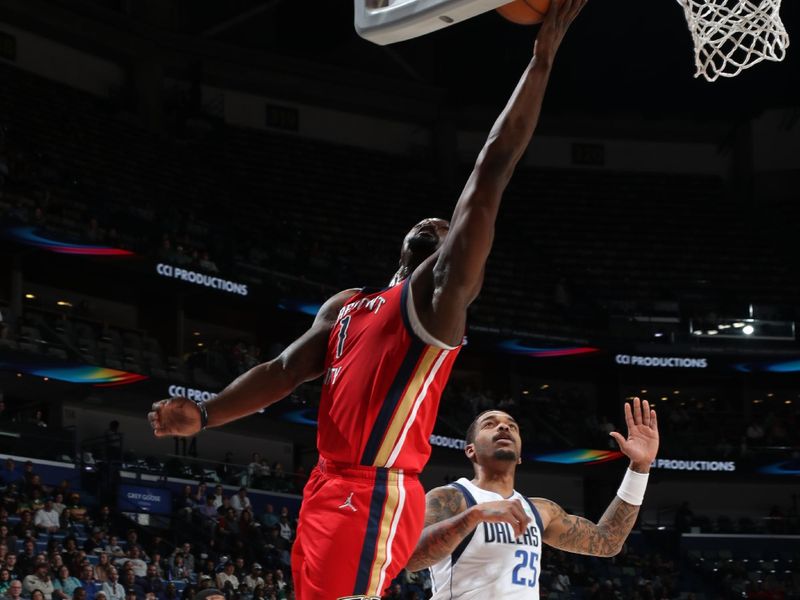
[64,585]
[132,583]
[280,583]
[226,580]
[178,570]
[113,548]
[6,539]
[104,519]
[70,552]
[188,557]
[80,594]
[219,495]
[56,561]
[171,592]
[27,558]
[256,471]
[185,504]
[87,581]
[152,583]
[95,542]
[254,578]
[268,518]
[58,504]
[11,498]
[38,418]
[227,472]
[5,579]
[63,489]
[39,580]
[25,528]
[200,494]
[11,565]
[207,264]
[112,588]
[10,473]
[285,527]
[102,570]
[239,568]
[132,539]
[75,512]
[47,518]
[14,591]
[136,561]
[277,547]
[208,515]
[240,501]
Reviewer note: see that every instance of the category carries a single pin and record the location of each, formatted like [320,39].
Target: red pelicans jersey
[384,377]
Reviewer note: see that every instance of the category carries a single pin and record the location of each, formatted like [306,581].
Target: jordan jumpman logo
[349,503]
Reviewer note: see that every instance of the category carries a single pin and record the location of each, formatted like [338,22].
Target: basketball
[525,12]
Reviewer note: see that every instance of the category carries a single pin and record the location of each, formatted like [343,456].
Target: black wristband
[203,415]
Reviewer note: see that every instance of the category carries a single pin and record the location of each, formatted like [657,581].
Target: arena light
[30,297]
[744,328]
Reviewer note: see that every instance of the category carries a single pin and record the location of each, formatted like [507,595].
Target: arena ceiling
[625,55]
[621,57]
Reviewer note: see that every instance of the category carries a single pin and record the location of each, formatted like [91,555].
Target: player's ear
[469,450]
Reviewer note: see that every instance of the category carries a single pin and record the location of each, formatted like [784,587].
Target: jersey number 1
[518,579]
[343,325]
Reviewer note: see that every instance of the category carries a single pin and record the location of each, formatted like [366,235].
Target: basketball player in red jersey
[385,356]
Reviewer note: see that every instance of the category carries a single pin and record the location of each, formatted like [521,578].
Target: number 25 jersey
[490,563]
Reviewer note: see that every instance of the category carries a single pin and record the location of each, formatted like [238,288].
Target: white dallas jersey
[489,563]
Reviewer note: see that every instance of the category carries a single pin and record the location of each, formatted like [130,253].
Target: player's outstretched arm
[448,521]
[259,387]
[606,537]
[458,272]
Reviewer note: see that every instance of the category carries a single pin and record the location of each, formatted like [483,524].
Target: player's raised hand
[175,416]
[641,445]
[503,511]
[555,25]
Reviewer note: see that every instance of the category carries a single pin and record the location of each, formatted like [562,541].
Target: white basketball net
[733,35]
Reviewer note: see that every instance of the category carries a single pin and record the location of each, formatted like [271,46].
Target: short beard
[503,454]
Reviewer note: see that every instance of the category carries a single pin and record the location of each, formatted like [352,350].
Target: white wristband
[633,486]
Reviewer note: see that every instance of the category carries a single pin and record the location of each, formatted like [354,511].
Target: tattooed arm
[448,521]
[579,535]
[576,534]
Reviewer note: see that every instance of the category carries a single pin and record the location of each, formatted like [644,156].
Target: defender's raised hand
[641,445]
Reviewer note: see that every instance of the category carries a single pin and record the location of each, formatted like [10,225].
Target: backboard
[388,21]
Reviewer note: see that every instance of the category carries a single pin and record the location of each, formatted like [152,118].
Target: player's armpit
[572,533]
[446,524]
[267,383]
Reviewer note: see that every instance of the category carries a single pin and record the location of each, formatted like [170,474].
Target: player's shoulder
[444,502]
[330,309]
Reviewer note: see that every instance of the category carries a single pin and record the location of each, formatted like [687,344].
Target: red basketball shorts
[358,527]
